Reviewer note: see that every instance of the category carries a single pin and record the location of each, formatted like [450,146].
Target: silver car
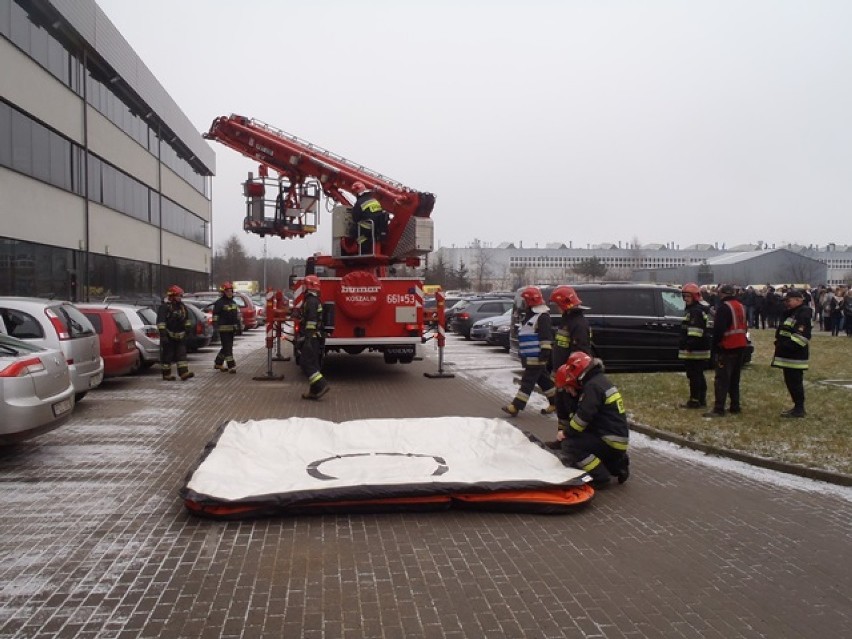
[36,394]
[143,320]
[59,325]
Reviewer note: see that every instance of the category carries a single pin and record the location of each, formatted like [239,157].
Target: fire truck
[366,308]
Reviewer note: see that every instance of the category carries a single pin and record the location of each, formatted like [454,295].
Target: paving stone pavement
[96,543]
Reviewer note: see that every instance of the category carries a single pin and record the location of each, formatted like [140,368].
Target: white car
[36,394]
[59,325]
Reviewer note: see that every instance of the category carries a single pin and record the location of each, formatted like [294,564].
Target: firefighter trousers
[534,376]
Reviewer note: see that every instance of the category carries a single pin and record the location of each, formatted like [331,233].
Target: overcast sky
[535,121]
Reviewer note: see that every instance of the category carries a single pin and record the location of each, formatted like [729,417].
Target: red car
[118,342]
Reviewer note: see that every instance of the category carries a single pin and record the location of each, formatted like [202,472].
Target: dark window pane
[5,17]
[5,133]
[41,152]
[60,162]
[22,159]
[20,27]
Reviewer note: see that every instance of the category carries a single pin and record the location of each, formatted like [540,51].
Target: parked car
[36,393]
[206,307]
[468,312]
[634,326]
[59,325]
[498,334]
[200,335]
[430,309]
[118,342]
[481,328]
[247,308]
[143,320]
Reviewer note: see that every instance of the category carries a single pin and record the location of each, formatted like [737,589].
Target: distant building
[105,182]
[774,266]
[508,266]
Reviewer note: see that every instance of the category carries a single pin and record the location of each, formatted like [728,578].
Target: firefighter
[573,334]
[694,349]
[226,318]
[173,322]
[535,337]
[592,431]
[370,220]
[729,346]
[312,338]
[792,339]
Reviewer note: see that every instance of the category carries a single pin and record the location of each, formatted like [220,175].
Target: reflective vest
[529,342]
[735,336]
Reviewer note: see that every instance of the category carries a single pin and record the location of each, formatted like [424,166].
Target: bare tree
[481,267]
[231,262]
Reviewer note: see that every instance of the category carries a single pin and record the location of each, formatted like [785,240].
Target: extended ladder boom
[300,161]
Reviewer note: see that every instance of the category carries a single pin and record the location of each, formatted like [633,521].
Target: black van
[634,326]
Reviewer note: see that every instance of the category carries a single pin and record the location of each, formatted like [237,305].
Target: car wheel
[79,396]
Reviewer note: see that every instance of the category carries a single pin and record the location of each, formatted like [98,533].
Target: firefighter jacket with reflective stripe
[174,319]
[535,339]
[311,322]
[792,338]
[600,411]
[226,314]
[695,332]
[729,328]
[572,335]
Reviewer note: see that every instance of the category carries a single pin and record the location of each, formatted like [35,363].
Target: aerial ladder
[367,307]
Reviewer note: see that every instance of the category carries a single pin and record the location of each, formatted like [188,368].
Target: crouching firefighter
[173,322]
[593,432]
[535,340]
[312,339]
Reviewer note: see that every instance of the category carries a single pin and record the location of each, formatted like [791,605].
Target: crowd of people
[764,305]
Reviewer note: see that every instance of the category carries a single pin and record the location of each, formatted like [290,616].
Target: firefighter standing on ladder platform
[369,218]
[311,336]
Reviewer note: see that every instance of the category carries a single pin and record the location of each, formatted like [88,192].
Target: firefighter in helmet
[696,333]
[535,339]
[311,339]
[792,348]
[173,322]
[226,319]
[593,431]
[371,221]
[573,334]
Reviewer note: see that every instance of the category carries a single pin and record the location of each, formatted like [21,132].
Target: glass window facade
[27,268]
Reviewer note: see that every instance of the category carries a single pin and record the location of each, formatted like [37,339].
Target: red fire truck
[366,307]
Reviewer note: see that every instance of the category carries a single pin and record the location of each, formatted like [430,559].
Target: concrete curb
[840,479]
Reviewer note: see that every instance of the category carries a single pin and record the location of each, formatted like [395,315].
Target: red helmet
[174,291]
[570,373]
[692,289]
[532,296]
[565,298]
[225,286]
[312,283]
[357,187]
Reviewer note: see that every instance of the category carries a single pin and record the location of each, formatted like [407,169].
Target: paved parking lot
[96,543]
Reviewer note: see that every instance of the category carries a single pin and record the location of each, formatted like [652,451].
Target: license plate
[400,351]
[95,380]
[60,408]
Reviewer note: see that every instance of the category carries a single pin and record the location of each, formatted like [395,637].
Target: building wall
[102,174]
